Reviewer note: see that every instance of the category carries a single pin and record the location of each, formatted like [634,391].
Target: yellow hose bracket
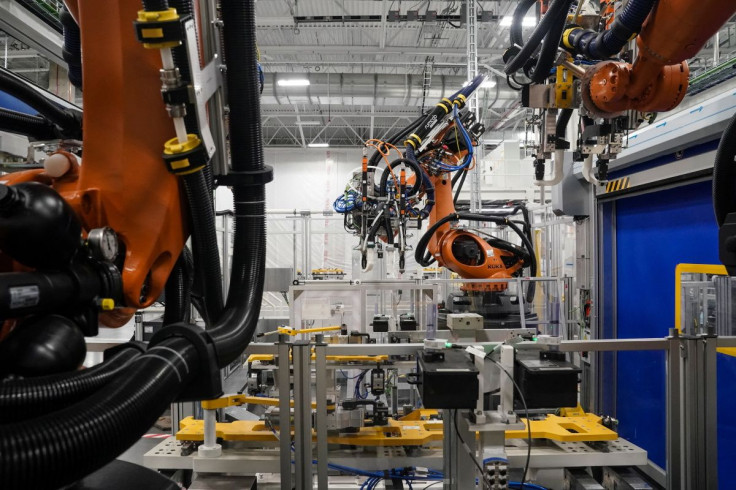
[413,140]
[564,93]
[460,101]
[159,29]
[185,158]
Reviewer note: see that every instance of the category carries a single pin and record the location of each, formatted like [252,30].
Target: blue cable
[492,460]
[532,486]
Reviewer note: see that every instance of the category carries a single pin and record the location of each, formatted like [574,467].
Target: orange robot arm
[657,81]
[122,182]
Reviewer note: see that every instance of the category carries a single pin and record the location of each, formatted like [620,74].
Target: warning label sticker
[23,297]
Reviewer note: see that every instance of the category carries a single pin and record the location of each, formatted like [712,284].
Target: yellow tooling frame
[237,400]
[295,331]
[414,429]
[270,357]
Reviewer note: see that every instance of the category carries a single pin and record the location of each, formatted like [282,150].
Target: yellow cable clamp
[566,36]
[164,24]
[185,158]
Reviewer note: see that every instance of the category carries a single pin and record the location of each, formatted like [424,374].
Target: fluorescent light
[293,82]
[488,83]
[527,22]
[318,145]
[308,123]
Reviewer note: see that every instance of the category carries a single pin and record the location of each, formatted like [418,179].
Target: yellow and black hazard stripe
[618,184]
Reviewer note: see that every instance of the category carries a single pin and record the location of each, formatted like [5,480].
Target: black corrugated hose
[178,290]
[517,22]
[68,121]
[207,288]
[36,127]
[548,53]
[22,399]
[207,271]
[235,328]
[72,50]
[542,29]
[53,450]
[724,174]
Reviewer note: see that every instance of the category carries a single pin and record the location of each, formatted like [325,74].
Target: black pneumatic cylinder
[25,293]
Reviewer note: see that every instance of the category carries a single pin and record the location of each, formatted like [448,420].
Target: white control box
[464,321]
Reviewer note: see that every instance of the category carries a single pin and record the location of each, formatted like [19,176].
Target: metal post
[710,413]
[210,448]
[691,402]
[284,413]
[449,449]
[506,405]
[320,353]
[301,355]
[307,246]
[674,414]
[472,33]
[465,470]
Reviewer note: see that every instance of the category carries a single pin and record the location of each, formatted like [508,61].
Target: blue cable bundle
[346,202]
[468,144]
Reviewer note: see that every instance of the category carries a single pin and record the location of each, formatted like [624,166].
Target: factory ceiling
[372,65]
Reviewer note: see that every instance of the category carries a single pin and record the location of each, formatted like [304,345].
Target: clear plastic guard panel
[707,304]
[540,304]
[327,303]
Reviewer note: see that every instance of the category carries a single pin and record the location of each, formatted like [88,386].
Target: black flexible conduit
[208,275]
[207,287]
[600,45]
[235,328]
[70,122]
[422,259]
[724,174]
[548,53]
[50,451]
[178,290]
[35,127]
[72,50]
[542,29]
[563,119]
[517,22]
[21,399]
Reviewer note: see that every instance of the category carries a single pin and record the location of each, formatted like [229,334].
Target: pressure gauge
[103,242]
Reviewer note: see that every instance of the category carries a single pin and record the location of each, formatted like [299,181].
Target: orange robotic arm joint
[658,79]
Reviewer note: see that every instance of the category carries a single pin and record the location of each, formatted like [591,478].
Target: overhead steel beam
[299,124]
[384,15]
[29,29]
[349,50]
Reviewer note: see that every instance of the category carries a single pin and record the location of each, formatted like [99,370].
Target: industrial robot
[100,231]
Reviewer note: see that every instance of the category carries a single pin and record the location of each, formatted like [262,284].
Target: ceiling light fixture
[318,145]
[527,22]
[488,83]
[293,82]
